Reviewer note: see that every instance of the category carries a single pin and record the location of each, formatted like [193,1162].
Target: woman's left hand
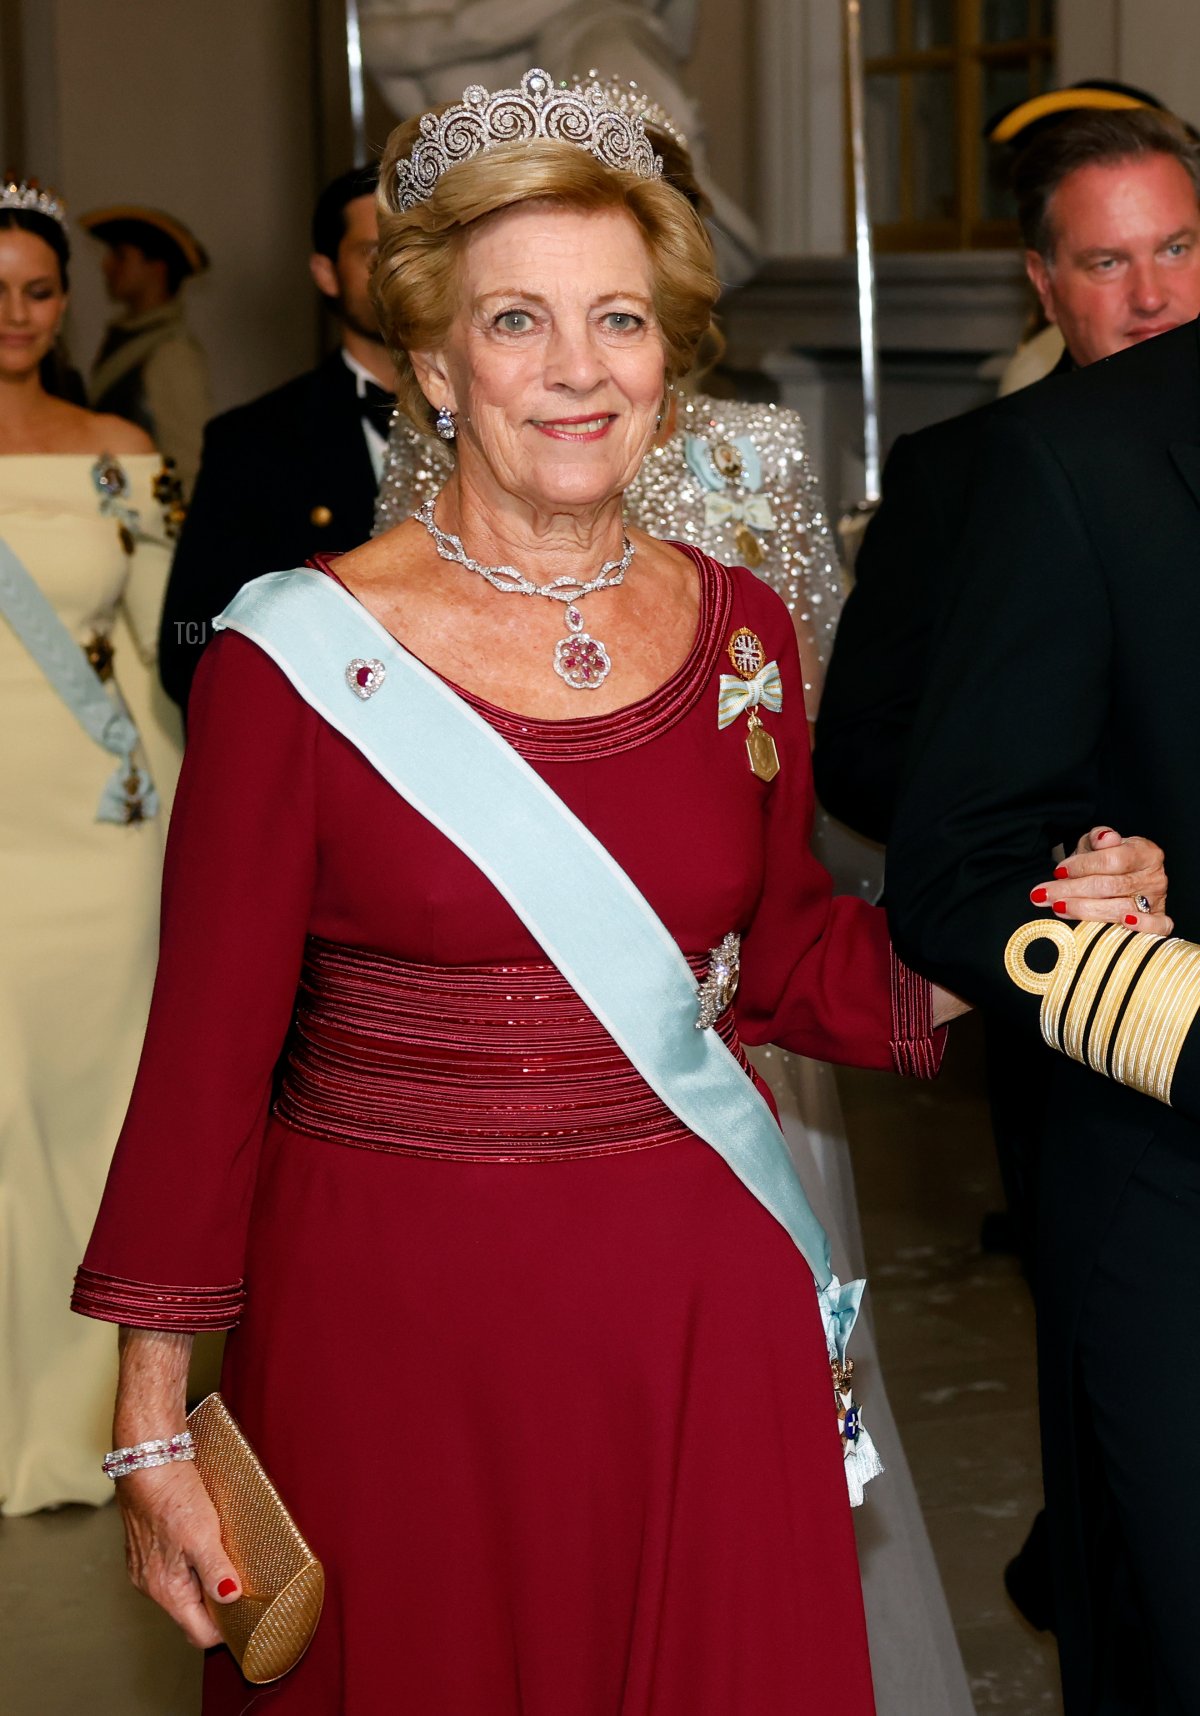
[1108,879]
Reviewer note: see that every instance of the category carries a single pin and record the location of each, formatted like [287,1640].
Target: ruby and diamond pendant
[581,659]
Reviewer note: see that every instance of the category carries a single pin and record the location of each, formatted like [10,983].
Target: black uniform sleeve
[877,669]
[1004,757]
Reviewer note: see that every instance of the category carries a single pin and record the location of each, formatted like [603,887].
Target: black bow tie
[376,404]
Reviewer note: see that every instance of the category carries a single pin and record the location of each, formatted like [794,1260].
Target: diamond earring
[445,423]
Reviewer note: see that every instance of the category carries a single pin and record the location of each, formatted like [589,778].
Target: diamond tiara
[626,94]
[27,195]
[585,115]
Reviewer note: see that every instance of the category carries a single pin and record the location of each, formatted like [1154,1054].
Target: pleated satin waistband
[478,1062]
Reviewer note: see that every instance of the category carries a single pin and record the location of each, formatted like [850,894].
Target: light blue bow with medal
[756,685]
[764,690]
[734,461]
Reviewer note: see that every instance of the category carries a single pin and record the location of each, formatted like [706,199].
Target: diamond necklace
[580,659]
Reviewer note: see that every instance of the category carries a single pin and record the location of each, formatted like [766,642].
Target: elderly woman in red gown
[543,1384]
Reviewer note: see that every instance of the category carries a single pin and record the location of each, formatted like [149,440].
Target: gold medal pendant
[760,748]
[748,656]
[748,546]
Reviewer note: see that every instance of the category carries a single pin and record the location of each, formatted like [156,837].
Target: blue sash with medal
[452,767]
[129,795]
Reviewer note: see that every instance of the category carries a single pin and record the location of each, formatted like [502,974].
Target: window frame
[965,58]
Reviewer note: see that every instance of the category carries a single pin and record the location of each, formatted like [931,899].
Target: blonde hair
[414,286]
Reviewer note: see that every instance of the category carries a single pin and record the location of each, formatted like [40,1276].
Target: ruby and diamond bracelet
[162,1452]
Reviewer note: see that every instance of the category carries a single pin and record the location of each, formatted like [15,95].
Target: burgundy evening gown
[544,1386]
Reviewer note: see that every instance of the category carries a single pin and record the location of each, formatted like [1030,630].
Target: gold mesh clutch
[283,1583]
[1116,1000]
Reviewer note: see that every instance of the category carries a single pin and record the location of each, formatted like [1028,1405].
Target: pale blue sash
[446,761]
[105,719]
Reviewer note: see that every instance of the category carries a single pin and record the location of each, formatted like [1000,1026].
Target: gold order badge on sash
[748,656]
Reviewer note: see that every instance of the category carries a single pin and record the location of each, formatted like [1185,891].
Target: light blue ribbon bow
[699,458]
[737,694]
[840,1302]
[755,511]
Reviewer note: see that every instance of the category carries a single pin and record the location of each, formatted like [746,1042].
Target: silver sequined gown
[736,480]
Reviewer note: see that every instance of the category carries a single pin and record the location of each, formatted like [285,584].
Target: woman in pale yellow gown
[78,896]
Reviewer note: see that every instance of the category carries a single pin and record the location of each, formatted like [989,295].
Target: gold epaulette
[1115,1000]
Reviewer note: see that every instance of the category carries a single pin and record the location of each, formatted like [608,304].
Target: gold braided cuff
[1117,1001]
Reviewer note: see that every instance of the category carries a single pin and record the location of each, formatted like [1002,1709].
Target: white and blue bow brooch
[734,465]
[756,685]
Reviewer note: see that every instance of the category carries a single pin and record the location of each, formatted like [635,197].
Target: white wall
[1159,49]
[1154,44]
[202,107]
[207,107]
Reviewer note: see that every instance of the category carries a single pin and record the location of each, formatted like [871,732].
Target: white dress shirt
[376,443]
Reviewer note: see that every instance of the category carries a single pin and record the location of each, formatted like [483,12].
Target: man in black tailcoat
[1108,203]
[1107,191]
[296,472]
[1065,688]
[1103,197]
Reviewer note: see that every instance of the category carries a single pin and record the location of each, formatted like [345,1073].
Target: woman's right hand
[173,1547]
[947,1006]
[1105,878]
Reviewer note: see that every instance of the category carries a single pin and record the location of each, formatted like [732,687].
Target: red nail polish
[1060,905]
[1129,919]
[1101,832]
[227,1587]
[1062,873]
[1039,896]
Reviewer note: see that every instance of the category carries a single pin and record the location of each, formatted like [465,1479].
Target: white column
[800,127]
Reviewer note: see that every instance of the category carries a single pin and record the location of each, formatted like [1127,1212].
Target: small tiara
[625,94]
[584,115]
[26,194]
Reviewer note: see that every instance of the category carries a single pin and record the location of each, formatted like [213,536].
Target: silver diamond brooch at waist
[720,984]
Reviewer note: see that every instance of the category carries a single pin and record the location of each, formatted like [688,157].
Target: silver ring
[1142,904]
